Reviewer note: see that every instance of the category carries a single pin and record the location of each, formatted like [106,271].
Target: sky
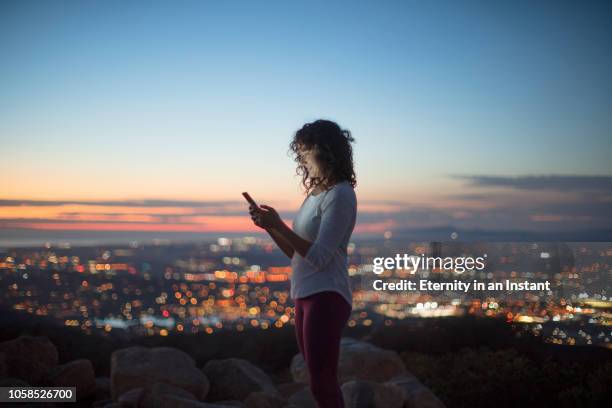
[155,116]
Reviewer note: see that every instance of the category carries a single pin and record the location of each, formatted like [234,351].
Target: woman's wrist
[278,224]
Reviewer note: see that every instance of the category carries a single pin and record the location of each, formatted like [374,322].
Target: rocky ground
[159,377]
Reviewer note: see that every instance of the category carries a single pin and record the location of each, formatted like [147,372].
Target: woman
[317,247]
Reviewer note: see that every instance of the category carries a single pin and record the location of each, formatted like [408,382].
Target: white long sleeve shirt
[327,220]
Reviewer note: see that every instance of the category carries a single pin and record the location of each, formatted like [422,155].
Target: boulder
[231,403]
[260,399]
[101,403]
[414,393]
[303,399]
[288,389]
[178,402]
[157,395]
[358,360]
[368,394]
[131,398]
[139,366]
[13,382]
[26,369]
[78,373]
[39,349]
[28,358]
[236,378]
[3,365]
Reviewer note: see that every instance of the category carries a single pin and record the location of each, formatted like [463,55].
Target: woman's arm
[281,242]
[296,242]
[337,214]
[272,227]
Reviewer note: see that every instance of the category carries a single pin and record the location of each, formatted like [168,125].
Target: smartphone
[249,199]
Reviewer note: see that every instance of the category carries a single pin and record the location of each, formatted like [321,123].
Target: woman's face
[308,156]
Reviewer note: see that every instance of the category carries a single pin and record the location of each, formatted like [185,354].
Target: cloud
[120,203]
[470,196]
[552,182]
[528,203]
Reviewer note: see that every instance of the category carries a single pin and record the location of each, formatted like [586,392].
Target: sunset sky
[155,116]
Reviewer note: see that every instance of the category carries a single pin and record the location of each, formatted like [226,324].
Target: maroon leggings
[319,320]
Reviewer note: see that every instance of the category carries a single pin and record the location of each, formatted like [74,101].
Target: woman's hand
[264,216]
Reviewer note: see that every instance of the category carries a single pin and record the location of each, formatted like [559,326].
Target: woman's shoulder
[343,189]
[344,185]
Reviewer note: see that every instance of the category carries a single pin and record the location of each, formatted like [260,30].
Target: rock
[235,378]
[28,358]
[358,360]
[178,402]
[157,395]
[414,393]
[368,394]
[78,373]
[101,403]
[139,366]
[3,365]
[260,399]
[13,382]
[131,398]
[288,389]
[39,349]
[303,399]
[26,369]
[230,403]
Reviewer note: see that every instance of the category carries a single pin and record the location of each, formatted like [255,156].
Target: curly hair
[333,153]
